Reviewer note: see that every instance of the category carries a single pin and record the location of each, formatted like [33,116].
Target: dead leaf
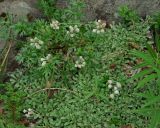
[133,45]
[127,126]
[138,61]
[1,111]
[112,66]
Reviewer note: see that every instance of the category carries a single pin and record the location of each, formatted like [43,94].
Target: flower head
[54,24]
[110,86]
[94,30]
[45,59]
[28,113]
[115,88]
[37,46]
[80,62]
[110,81]
[116,92]
[100,27]
[118,85]
[73,30]
[48,56]
[24,111]
[111,96]
[30,109]
[44,63]
[36,42]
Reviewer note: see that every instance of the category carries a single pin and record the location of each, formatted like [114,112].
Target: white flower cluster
[149,34]
[45,60]
[36,42]
[80,62]
[54,24]
[100,27]
[73,30]
[115,87]
[28,113]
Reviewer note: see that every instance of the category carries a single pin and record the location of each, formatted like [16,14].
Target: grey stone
[106,9]
[20,9]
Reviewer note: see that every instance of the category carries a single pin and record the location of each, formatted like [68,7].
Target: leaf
[152,100]
[144,111]
[153,113]
[144,64]
[157,70]
[145,56]
[157,40]
[155,119]
[127,126]
[146,80]
[88,95]
[142,74]
[1,124]
[146,95]
[151,51]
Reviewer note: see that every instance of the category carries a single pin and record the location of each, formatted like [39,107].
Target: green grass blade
[152,100]
[147,95]
[155,119]
[157,40]
[146,80]
[141,65]
[151,51]
[144,111]
[145,56]
[142,73]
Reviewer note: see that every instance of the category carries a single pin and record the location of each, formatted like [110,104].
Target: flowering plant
[72,73]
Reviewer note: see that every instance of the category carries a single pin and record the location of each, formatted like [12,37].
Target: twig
[61,89]
[6,55]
